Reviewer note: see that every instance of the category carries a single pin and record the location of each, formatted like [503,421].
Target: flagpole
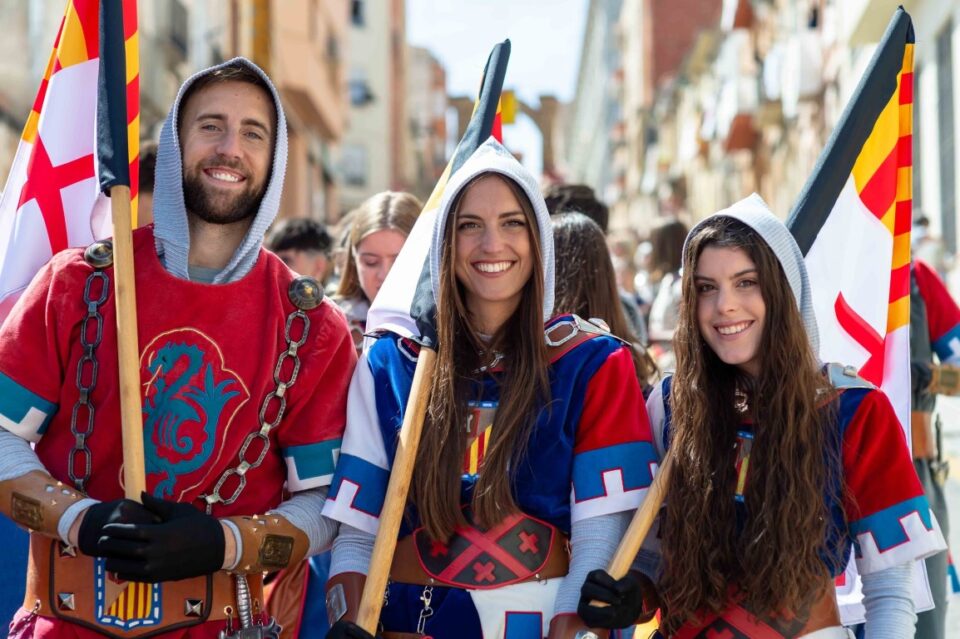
[395,501]
[128,352]
[642,521]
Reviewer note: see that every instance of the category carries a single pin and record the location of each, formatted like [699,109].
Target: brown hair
[587,285]
[235,72]
[388,210]
[666,248]
[524,390]
[776,560]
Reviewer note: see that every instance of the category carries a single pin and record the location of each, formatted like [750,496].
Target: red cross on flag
[52,199]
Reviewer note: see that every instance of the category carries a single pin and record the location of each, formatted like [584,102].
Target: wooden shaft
[131,415]
[642,521]
[395,501]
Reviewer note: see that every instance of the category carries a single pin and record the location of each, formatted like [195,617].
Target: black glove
[118,511]
[185,543]
[624,596]
[347,630]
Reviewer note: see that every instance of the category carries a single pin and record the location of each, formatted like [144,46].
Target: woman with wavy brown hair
[783,466]
[521,485]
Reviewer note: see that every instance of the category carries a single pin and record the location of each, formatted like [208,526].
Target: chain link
[275,404]
[82,418]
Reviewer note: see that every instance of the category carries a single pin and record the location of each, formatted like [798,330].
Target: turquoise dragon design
[176,402]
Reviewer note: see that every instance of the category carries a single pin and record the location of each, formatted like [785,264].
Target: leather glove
[347,630]
[118,511]
[185,543]
[625,599]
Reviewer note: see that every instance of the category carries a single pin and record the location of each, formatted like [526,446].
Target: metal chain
[87,369]
[274,403]
[426,597]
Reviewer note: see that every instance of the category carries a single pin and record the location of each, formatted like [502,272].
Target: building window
[948,191]
[356,13]
[353,163]
[360,92]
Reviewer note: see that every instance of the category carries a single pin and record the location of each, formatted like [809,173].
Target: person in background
[926,247]
[580,198]
[377,231]
[666,242]
[782,465]
[373,238]
[304,245]
[586,285]
[935,357]
[148,169]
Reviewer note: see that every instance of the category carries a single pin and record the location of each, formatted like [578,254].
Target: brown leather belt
[406,567]
[66,584]
[921,435]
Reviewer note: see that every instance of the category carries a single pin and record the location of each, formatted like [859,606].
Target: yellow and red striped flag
[52,199]
[852,222]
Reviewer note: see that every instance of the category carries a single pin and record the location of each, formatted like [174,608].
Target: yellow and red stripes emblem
[135,602]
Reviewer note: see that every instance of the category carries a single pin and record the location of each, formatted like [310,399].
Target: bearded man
[244,370]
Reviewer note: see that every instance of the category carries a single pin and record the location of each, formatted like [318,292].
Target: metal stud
[66,601]
[66,550]
[305,293]
[99,255]
[193,607]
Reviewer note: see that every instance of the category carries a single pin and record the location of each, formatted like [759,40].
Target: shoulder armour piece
[305,293]
[844,377]
[99,255]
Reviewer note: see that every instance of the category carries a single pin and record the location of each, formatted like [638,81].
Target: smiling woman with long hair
[782,466]
[530,417]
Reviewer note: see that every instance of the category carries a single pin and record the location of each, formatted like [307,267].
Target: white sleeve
[888,599]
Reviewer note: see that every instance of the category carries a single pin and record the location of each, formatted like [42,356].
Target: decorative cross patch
[484,572]
[528,542]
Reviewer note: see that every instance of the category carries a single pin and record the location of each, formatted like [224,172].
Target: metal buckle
[572,323]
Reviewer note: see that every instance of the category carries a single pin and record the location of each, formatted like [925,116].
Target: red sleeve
[614,459]
[34,345]
[888,515]
[943,314]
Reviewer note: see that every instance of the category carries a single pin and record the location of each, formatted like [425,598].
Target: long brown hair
[524,390]
[385,211]
[586,284]
[775,561]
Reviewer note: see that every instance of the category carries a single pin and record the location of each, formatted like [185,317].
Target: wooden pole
[128,351]
[641,523]
[395,501]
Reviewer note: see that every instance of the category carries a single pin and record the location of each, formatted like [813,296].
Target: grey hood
[169,212]
[755,213]
[493,157]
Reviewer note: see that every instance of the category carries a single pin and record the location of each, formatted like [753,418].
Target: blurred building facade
[426,94]
[302,44]
[593,130]
[749,100]
[376,147]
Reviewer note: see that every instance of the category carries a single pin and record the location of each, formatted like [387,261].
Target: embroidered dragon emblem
[186,394]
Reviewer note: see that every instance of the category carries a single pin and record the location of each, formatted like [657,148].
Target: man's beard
[219,208]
